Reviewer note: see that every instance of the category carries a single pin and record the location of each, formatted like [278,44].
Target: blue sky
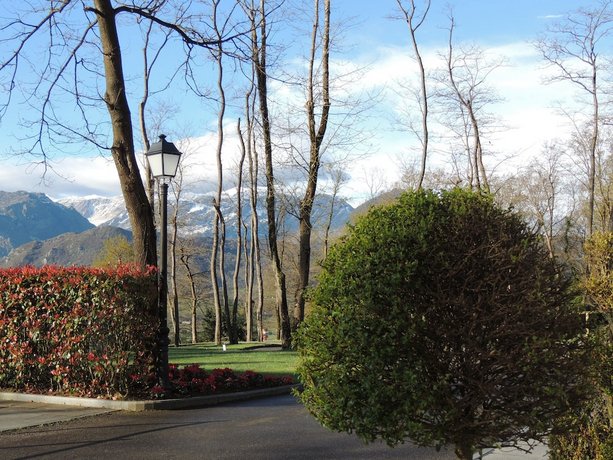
[378,45]
[485,21]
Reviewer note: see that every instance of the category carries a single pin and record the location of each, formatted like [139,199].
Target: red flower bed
[192,380]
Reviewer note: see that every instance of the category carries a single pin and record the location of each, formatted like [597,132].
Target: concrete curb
[144,405]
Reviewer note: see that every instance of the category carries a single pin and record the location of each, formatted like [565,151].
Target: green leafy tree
[598,286]
[592,436]
[441,318]
[115,251]
[598,282]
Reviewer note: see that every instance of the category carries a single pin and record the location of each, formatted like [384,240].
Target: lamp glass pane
[156,164]
[171,162]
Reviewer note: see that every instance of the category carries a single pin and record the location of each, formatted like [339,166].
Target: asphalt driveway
[269,428]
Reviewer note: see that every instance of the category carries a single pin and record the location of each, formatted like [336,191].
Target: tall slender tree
[414,21]
[317,125]
[259,37]
[239,238]
[254,259]
[573,47]
[218,253]
[173,292]
[465,94]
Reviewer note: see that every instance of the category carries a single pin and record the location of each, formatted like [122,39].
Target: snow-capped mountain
[100,210]
[196,212]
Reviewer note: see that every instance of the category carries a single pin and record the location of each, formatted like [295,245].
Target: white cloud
[68,176]
[527,110]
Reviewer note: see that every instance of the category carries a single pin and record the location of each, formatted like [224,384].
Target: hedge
[77,331]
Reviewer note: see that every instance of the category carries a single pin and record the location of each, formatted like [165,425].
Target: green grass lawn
[239,358]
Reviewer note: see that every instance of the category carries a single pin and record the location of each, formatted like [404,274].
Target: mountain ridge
[27,216]
[35,230]
[65,250]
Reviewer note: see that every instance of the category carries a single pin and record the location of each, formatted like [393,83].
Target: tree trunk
[135,197]
[230,325]
[221,301]
[239,238]
[593,149]
[259,58]
[316,136]
[249,284]
[174,291]
[464,451]
[214,279]
[249,279]
[424,111]
[192,285]
[252,252]
[479,166]
[255,241]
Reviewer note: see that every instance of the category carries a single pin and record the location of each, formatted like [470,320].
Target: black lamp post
[163,158]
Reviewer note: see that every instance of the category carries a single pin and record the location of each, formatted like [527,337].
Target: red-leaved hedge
[78,331]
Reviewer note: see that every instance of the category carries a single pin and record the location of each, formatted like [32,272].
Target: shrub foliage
[440,318]
[593,434]
[76,331]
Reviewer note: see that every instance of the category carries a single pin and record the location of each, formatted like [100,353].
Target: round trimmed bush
[440,318]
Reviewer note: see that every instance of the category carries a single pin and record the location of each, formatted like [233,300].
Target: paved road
[271,428]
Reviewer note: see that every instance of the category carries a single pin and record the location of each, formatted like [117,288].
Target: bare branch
[189,35]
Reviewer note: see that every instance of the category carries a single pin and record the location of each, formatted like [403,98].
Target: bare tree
[543,190]
[436,178]
[376,181]
[239,239]
[254,259]
[258,17]
[572,47]
[317,125]
[173,293]
[466,95]
[69,27]
[580,155]
[187,251]
[148,64]
[414,21]
[338,178]
[251,244]
[137,204]
[604,184]
[218,272]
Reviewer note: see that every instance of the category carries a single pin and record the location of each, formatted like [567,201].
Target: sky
[376,48]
